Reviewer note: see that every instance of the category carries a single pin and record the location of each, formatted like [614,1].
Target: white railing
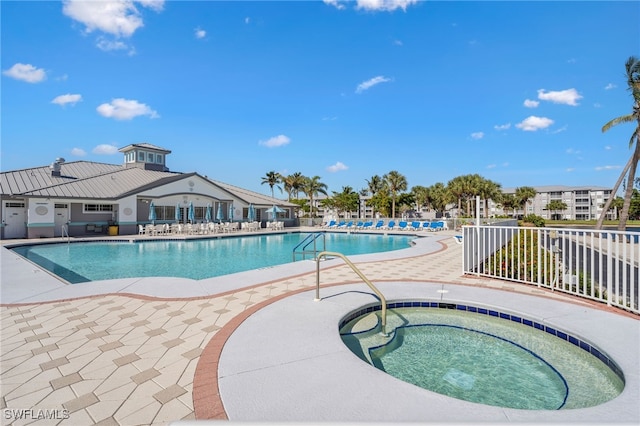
[598,265]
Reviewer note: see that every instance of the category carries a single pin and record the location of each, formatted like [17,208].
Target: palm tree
[292,184]
[489,190]
[396,182]
[523,195]
[374,184]
[554,206]
[632,67]
[272,179]
[421,195]
[312,187]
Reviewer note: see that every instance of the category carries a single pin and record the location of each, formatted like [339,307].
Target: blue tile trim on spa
[484,311]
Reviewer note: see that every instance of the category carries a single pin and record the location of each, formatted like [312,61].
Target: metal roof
[144,145]
[252,197]
[85,179]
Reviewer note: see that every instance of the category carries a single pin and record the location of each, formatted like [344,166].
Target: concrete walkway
[147,351]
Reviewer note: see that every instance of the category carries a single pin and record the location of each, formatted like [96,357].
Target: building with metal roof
[88,198]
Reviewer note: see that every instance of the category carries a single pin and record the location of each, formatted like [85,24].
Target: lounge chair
[339,225]
[415,226]
[380,224]
[458,239]
[367,225]
[402,225]
[360,224]
[391,225]
[425,226]
[345,225]
[329,224]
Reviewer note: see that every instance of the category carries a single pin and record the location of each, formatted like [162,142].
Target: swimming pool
[484,356]
[195,259]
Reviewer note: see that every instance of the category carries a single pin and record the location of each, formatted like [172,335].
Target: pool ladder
[383,300]
[65,230]
[310,239]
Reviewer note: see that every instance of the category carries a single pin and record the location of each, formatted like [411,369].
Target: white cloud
[502,126]
[570,169]
[565,97]
[107,45]
[200,33]
[247,20]
[398,42]
[125,109]
[600,168]
[335,3]
[560,130]
[529,103]
[337,167]
[491,166]
[384,5]
[477,135]
[63,100]
[366,85]
[607,148]
[572,151]
[533,123]
[610,86]
[105,149]
[275,141]
[119,18]
[78,152]
[26,72]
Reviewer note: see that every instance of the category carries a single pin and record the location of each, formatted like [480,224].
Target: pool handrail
[383,300]
[311,238]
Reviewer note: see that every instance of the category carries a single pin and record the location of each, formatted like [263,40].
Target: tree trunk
[624,215]
[607,205]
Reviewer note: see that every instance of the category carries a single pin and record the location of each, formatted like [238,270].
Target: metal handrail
[383,300]
[65,230]
[312,238]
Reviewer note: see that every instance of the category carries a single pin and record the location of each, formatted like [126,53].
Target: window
[97,208]
[60,206]
[149,157]
[14,205]
[159,158]
[141,156]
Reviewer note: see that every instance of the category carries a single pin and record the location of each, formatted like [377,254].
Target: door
[61,216]
[15,220]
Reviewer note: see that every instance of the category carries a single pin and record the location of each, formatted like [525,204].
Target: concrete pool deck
[160,351]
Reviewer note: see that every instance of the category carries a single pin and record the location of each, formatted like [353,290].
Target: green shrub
[535,219]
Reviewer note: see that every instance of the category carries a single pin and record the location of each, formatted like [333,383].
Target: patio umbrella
[207,215]
[251,214]
[178,215]
[219,214]
[231,212]
[191,213]
[152,213]
[273,211]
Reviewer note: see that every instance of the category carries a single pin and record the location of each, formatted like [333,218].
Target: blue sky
[514,91]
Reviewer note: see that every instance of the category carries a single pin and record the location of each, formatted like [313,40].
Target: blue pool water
[483,358]
[195,259]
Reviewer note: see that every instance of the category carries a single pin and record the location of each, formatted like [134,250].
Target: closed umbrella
[192,213]
[231,212]
[207,215]
[152,213]
[251,214]
[219,214]
[178,215]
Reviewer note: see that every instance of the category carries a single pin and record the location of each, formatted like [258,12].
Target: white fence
[599,265]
